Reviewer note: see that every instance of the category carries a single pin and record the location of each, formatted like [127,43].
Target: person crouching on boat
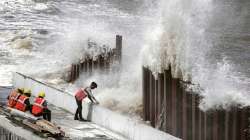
[80,95]
[23,102]
[13,97]
[40,107]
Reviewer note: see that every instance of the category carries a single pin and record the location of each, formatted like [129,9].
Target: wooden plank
[33,126]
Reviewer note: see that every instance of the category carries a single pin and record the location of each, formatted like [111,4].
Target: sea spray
[193,38]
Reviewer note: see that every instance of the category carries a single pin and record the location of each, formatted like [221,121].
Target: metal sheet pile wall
[170,108]
[7,135]
[102,62]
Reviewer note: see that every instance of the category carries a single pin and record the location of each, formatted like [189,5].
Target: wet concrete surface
[73,129]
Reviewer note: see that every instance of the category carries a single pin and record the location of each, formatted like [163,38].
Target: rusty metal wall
[172,109]
[102,63]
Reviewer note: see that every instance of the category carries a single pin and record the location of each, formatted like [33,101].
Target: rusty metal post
[244,123]
[235,124]
[150,96]
[119,47]
[152,100]
[156,100]
[107,65]
[146,92]
[102,63]
[197,117]
[160,118]
[174,109]
[95,65]
[205,125]
[179,110]
[221,124]
[202,126]
[209,125]
[72,73]
[215,125]
[85,66]
[193,116]
[227,125]
[189,116]
[165,128]
[90,66]
[184,115]
[77,70]
[168,93]
[81,66]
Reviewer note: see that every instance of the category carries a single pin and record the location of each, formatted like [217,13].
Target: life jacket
[13,97]
[38,107]
[80,95]
[20,105]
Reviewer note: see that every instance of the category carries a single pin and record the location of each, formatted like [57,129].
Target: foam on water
[44,37]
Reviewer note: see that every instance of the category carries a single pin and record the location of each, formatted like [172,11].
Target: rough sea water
[205,41]
[41,38]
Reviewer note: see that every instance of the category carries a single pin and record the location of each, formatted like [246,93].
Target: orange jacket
[80,95]
[13,97]
[38,107]
[20,105]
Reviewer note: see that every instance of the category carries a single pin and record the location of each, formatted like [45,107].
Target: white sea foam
[188,37]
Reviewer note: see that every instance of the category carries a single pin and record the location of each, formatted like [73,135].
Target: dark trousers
[78,114]
[47,114]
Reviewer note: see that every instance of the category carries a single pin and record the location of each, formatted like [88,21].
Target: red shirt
[80,94]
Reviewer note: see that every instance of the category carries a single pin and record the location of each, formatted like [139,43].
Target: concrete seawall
[125,126]
[9,131]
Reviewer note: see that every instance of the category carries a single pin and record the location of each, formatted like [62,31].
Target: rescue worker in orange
[13,97]
[40,107]
[23,102]
[80,95]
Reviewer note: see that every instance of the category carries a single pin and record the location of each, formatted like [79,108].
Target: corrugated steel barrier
[172,109]
[102,62]
[7,135]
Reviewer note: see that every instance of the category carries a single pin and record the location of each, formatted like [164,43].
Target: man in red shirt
[80,95]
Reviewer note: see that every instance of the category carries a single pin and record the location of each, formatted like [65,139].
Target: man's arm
[90,96]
